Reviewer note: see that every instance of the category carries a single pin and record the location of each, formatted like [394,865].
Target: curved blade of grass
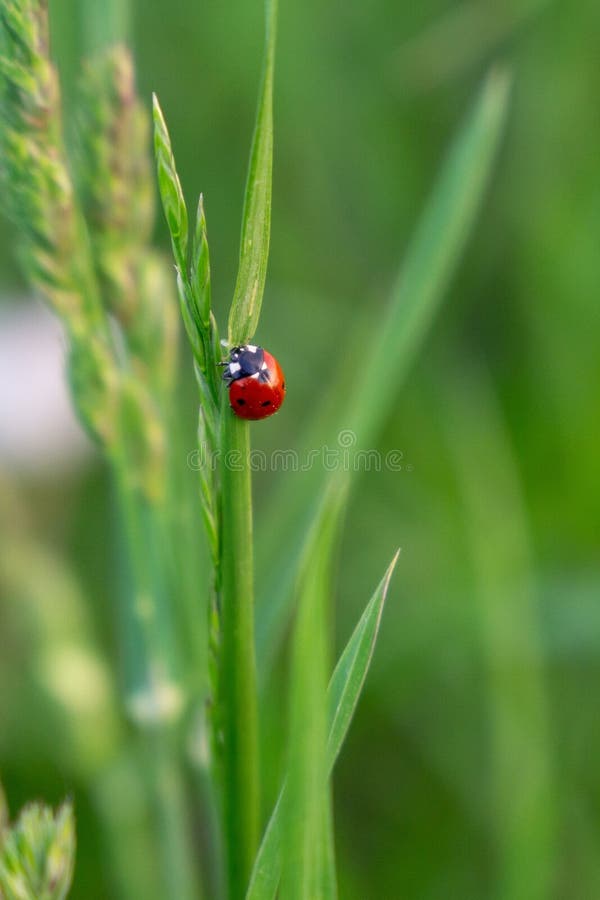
[349,676]
[523,797]
[307,841]
[256,221]
[458,40]
[343,693]
[429,263]
[267,866]
[432,256]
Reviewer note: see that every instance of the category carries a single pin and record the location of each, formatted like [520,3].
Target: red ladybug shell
[258,395]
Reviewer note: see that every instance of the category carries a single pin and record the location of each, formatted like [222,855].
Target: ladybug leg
[233,371]
[225,376]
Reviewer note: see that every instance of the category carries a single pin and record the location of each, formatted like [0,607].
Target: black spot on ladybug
[266,403]
[241,401]
[283,385]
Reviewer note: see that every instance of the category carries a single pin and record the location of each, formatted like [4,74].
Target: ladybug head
[247,361]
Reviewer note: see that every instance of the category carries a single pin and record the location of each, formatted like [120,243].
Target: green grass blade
[444,49]
[431,257]
[328,886]
[306,844]
[430,260]
[256,222]
[169,188]
[193,282]
[349,676]
[343,693]
[523,797]
[267,866]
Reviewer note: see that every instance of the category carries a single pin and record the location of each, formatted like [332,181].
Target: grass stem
[155,692]
[180,878]
[237,678]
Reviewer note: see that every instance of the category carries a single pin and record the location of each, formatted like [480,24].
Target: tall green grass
[190,684]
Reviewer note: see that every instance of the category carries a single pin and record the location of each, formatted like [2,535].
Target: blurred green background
[471,768]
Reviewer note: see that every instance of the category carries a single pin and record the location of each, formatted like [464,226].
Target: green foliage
[114,169]
[432,255]
[307,851]
[36,182]
[237,715]
[193,287]
[87,247]
[200,269]
[226,496]
[114,177]
[343,694]
[256,220]
[349,676]
[37,854]
[193,281]
[170,188]
[86,267]
[524,796]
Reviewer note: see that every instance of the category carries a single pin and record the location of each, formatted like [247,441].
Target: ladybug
[256,382]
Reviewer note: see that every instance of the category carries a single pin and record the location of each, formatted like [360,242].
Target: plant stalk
[237,670]
[152,671]
[181,878]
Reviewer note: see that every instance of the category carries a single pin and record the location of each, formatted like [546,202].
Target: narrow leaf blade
[350,673]
[169,187]
[200,272]
[307,841]
[343,693]
[256,222]
[266,871]
[432,256]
